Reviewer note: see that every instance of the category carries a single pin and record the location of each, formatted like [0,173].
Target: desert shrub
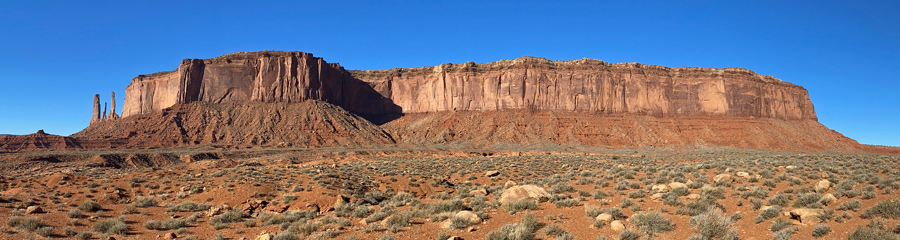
[227,217]
[592,211]
[84,235]
[286,236]
[29,224]
[168,224]
[444,206]
[768,214]
[524,230]
[713,224]
[404,199]
[398,220]
[783,234]
[779,224]
[697,207]
[853,205]
[779,199]
[568,202]
[871,233]
[629,235]
[90,206]
[885,209]
[757,192]
[808,200]
[652,222]
[521,205]
[143,202]
[820,230]
[75,213]
[111,226]
[458,222]
[187,206]
[562,187]
[681,191]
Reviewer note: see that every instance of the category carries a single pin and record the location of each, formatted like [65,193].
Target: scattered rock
[455,238]
[479,192]
[806,215]
[523,192]
[660,188]
[213,211]
[617,226]
[723,178]
[823,185]
[674,185]
[828,199]
[743,174]
[656,196]
[693,196]
[509,184]
[265,236]
[170,235]
[33,210]
[605,217]
[791,167]
[491,173]
[469,216]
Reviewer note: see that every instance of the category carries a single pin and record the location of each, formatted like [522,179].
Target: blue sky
[55,55]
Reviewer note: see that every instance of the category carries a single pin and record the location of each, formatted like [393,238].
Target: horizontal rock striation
[253,77]
[589,85]
[526,83]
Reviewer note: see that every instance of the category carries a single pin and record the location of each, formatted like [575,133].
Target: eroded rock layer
[526,83]
[589,85]
[253,77]
[305,124]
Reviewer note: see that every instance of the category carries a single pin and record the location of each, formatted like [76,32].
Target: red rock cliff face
[254,77]
[526,83]
[591,86]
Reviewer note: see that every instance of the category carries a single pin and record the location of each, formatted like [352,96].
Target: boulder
[723,178]
[617,226]
[518,193]
[823,185]
[828,199]
[479,192]
[491,173]
[265,236]
[469,216]
[660,188]
[674,185]
[34,210]
[509,184]
[806,215]
[605,217]
[742,174]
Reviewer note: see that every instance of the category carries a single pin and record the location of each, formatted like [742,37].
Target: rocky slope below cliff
[305,124]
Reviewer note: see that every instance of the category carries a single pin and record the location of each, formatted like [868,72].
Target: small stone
[170,235]
[617,226]
[823,185]
[605,217]
[33,210]
[509,184]
[265,236]
[491,173]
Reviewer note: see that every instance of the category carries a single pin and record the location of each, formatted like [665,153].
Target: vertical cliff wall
[254,77]
[590,86]
[526,83]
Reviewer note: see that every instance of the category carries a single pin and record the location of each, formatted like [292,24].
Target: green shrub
[652,222]
[521,205]
[90,206]
[29,224]
[784,234]
[885,209]
[807,200]
[111,226]
[524,230]
[779,224]
[768,214]
[227,217]
[713,224]
[820,230]
[143,202]
[187,207]
[871,233]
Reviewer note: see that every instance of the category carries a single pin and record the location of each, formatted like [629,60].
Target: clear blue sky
[55,55]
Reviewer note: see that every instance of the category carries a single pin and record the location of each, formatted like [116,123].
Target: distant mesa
[293,99]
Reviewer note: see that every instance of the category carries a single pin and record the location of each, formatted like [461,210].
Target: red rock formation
[112,111]
[526,83]
[39,141]
[95,115]
[255,77]
[589,85]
